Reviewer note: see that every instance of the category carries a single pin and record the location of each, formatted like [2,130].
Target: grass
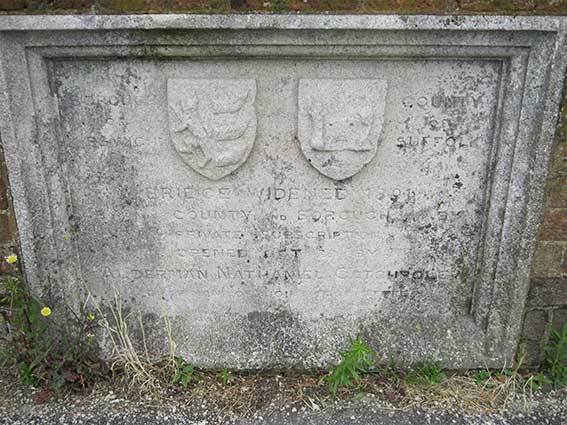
[428,373]
[226,376]
[555,364]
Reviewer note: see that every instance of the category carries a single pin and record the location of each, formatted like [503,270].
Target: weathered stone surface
[277,191]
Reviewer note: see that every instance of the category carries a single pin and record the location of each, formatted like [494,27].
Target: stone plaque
[274,192]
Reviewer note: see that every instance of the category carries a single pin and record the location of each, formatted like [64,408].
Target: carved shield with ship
[212,123]
[340,123]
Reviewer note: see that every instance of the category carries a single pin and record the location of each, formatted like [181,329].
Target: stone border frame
[532,51]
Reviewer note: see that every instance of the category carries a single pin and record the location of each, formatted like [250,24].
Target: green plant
[47,354]
[482,376]
[356,360]
[535,382]
[225,376]
[555,364]
[185,373]
[428,373]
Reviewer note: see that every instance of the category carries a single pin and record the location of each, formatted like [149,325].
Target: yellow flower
[11,259]
[45,311]
[90,317]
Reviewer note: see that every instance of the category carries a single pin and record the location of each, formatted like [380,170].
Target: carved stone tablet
[212,123]
[390,181]
[340,123]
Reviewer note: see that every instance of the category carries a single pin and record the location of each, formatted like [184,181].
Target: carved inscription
[212,123]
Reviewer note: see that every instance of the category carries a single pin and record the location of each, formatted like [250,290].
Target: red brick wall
[547,300]
[308,6]
[8,233]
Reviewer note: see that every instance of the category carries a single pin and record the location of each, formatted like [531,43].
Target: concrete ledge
[256,21]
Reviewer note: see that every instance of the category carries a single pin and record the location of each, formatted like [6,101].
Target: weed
[481,377]
[47,353]
[225,376]
[556,357]
[185,373]
[429,373]
[535,382]
[356,360]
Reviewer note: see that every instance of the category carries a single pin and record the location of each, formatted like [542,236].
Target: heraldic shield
[212,123]
[340,123]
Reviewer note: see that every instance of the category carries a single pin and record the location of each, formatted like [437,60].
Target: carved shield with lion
[212,123]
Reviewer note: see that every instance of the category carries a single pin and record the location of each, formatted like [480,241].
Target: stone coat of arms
[340,123]
[212,123]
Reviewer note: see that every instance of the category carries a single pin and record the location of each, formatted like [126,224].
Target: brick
[3,190]
[535,325]
[338,6]
[534,329]
[163,6]
[549,260]
[554,226]
[532,352]
[6,229]
[238,4]
[559,318]
[121,5]
[405,6]
[196,6]
[547,292]
[296,5]
[59,5]
[12,5]
[558,166]
[518,6]
[557,193]
[72,4]
[353,6]
[4,252]
[4,186]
